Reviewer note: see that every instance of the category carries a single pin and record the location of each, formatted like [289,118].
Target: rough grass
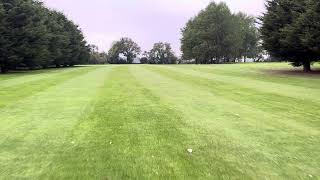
[137,122]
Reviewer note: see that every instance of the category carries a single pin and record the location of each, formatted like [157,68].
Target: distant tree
[162,53]
[290,31]
[114,54]
[96,57]
[144,60]
[123,51]
[247,37]
[179,60]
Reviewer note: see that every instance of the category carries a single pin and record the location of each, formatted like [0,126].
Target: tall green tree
[114,54]
[247,37]
[290,31]
[216,35]
[13,21]
[34,36]
[307,28]
[206,37]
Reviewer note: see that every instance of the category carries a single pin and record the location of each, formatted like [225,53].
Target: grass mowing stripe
[275,88]
[259,72]
[34,130]
[29,88]
[250,99]
[282,106]
[136,122]
[268,149]
[128,135]
[16,78]
[21,74]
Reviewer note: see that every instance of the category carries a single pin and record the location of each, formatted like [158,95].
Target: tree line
[126,51]
[34,36]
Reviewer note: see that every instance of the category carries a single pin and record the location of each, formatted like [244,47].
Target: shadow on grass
[39,71]
[295,72]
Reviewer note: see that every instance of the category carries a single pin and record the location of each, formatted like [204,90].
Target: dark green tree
[290,31]
[307,28]
[33,43]
[33,36]
[3,40]
[14,20]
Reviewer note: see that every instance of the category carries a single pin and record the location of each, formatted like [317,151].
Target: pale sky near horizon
[145,21]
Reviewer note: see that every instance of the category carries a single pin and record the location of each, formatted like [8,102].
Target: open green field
[137,122]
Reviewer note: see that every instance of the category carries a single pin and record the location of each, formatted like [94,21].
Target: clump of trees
[144,60]
[291,31]
[34,36]
[124,51]
[216,35]
[97,57]
[161,53]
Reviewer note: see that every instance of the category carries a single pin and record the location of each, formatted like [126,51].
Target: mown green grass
[137,122]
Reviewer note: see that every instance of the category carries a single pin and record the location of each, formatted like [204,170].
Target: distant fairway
[137,121]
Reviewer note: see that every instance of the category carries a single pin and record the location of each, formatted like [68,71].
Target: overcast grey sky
[145,21]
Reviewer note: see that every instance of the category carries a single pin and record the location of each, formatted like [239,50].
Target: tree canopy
[290,31]
[216,35]
[123,51]
[34,36]
[162,53]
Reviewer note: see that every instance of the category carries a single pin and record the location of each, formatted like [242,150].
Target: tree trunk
[306,66]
